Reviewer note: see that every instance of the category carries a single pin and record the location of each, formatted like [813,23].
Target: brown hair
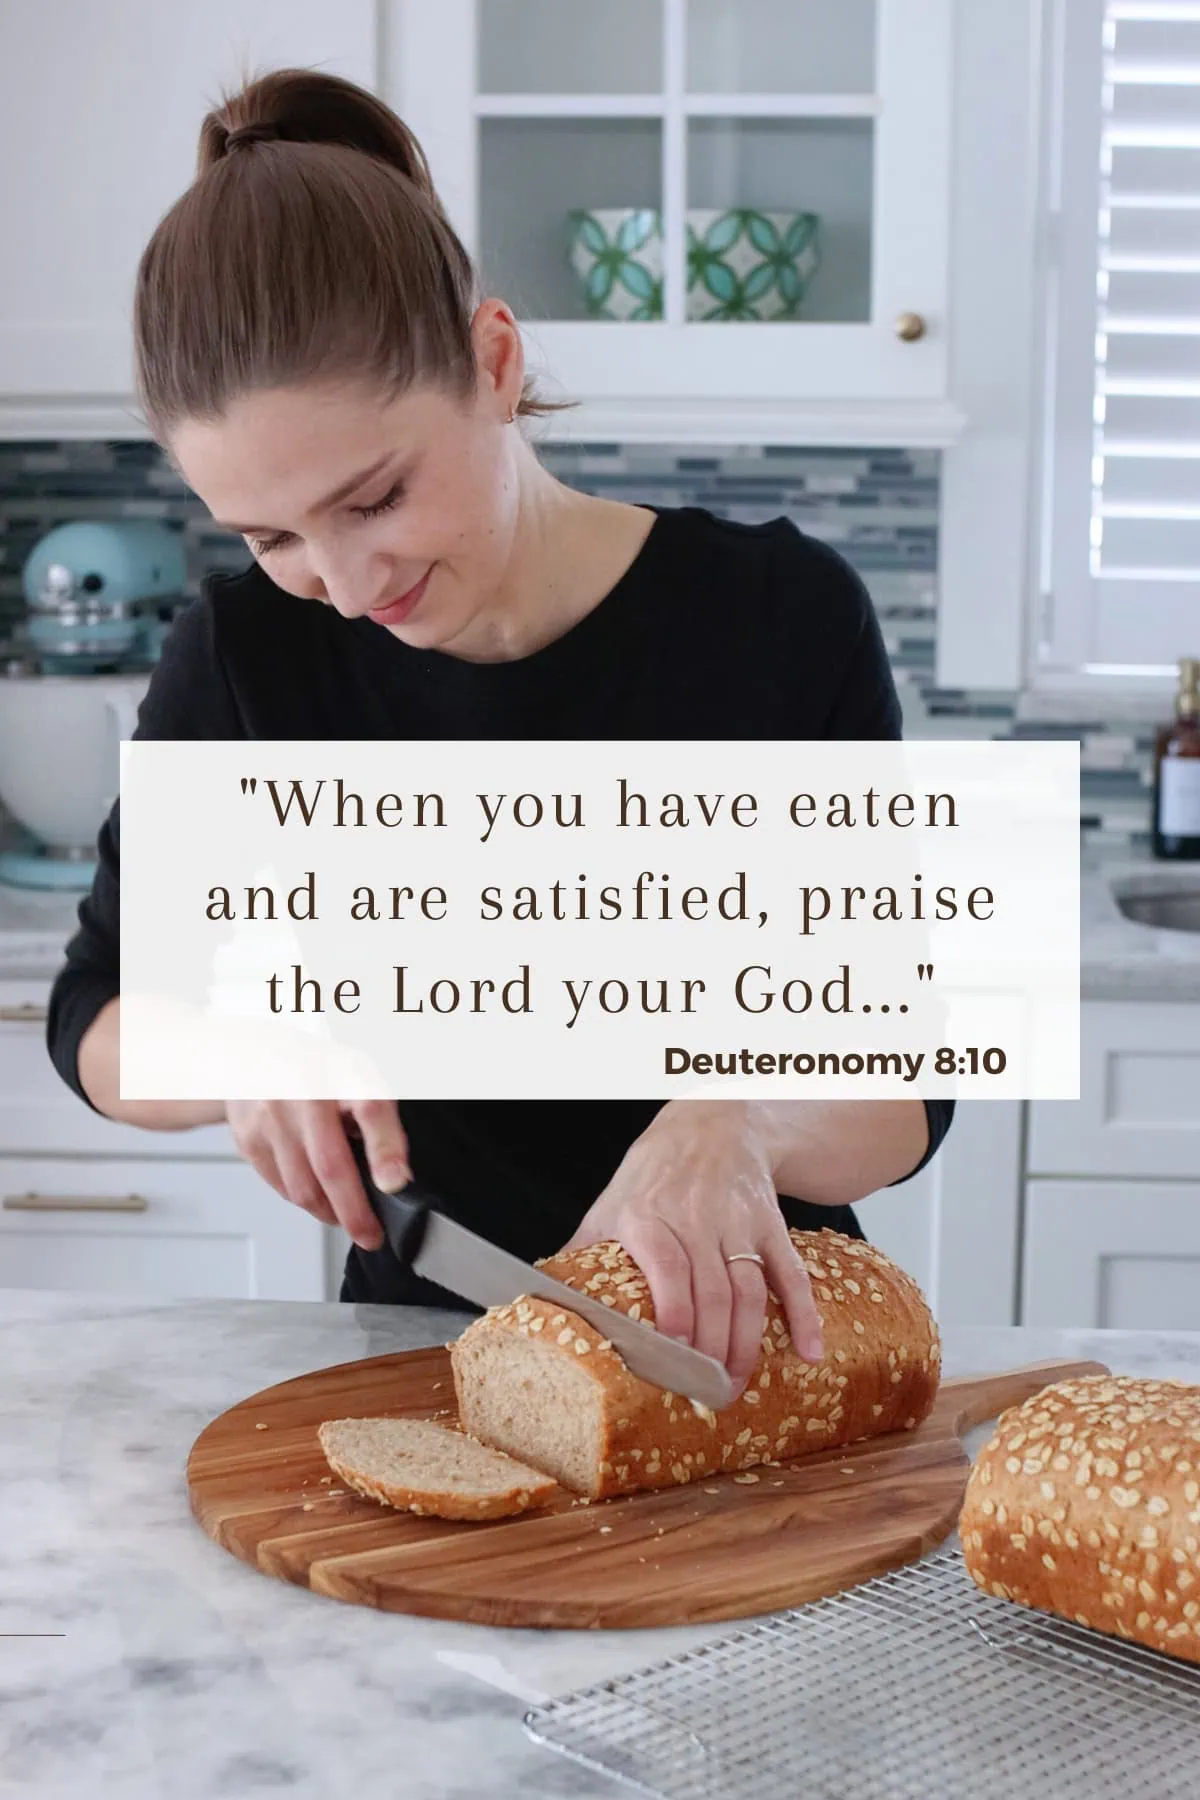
[311,244]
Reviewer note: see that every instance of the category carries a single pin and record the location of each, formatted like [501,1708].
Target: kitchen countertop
[183,1672]
[1119,960]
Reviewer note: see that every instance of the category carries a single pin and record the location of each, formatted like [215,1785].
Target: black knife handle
[403,1216]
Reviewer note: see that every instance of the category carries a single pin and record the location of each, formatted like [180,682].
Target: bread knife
[423,1239]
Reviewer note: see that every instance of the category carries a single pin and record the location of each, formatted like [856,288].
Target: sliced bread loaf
[536,1381]
[426,1468]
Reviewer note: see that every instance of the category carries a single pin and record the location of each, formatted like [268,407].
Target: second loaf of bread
[536,1381]
[1086,1503]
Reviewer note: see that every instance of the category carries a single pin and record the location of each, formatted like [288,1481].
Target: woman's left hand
[694,1190]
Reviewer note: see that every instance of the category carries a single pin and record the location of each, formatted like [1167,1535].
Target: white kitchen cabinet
[533,110]
[39,1113]
[100,108]
[1139,1108]
[155,1227]
[1112,1255]
[955,1227]
[528,110]
[1112,1201]
[89,1204]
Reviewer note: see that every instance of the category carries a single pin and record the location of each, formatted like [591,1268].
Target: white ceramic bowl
[59,756]
[744,263]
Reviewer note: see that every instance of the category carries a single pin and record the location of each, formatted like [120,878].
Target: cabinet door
[39,1112]
[166,1230]
[1139,1108]
[709,201]
[955,1227]
[1112,1255]
[100,107]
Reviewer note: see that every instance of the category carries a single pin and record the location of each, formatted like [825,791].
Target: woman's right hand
[301,1148]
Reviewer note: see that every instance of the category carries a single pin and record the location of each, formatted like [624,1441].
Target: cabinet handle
[24,1012]
[125,1203]
[910,327]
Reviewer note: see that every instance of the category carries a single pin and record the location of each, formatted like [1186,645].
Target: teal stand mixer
[100,596]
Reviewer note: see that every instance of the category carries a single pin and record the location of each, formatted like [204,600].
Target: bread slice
[536,1381]
[421,1467]
[1086,1503]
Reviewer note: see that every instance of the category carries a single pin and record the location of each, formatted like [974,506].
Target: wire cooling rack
[915,1686]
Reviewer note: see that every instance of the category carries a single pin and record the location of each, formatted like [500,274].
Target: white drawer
[160,1228]
[38,1111]
[1112,1255]
[1139,1111]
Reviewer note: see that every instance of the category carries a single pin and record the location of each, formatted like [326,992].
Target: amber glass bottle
[1175,833]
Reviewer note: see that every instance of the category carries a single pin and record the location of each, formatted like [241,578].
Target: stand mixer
[100,598]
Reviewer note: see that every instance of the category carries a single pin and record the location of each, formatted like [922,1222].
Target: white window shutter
[1124,518]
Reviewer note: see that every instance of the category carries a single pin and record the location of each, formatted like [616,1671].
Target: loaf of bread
[534,1380]
[1086,1503]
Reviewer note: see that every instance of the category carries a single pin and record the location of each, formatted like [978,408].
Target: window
[1119,575]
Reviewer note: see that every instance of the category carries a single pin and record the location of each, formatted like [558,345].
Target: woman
[314,358]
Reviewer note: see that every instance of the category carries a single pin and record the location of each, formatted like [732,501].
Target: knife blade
[424,1239]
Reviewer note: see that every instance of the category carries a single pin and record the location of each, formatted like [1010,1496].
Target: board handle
[983,1397]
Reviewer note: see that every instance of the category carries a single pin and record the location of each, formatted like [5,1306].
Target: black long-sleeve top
[716,630]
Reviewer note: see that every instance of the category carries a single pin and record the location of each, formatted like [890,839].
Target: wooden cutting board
[715,1549]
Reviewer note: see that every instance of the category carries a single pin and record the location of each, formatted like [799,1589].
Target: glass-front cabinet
[735,206]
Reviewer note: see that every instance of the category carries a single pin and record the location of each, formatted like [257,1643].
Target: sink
[1163,906]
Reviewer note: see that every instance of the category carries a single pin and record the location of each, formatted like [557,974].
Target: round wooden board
[712,1550]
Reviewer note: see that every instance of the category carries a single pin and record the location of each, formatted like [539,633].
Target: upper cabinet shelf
[709,215]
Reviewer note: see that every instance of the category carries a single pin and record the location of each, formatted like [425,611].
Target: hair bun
[306,106]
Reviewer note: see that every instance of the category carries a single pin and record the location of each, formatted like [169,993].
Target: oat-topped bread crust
[538,1382]
[1086,1503]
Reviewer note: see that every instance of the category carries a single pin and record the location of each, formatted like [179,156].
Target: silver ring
[746,1256]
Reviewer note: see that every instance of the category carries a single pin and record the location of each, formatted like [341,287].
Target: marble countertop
[1119,960]
[179,1670]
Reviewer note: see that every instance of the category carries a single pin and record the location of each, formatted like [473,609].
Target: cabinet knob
[910,327]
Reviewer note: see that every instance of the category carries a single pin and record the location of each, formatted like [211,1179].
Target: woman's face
[403,512]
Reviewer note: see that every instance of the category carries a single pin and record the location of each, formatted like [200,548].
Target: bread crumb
[308,1506]
[259,1426]
[745,1478]
[604,1530]
[712,1490]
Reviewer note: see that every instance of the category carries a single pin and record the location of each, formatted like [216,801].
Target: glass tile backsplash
[878,507]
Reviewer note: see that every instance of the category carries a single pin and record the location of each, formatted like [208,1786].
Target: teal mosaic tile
[879,507]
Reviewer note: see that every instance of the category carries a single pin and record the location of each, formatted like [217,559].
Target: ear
[499,355]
